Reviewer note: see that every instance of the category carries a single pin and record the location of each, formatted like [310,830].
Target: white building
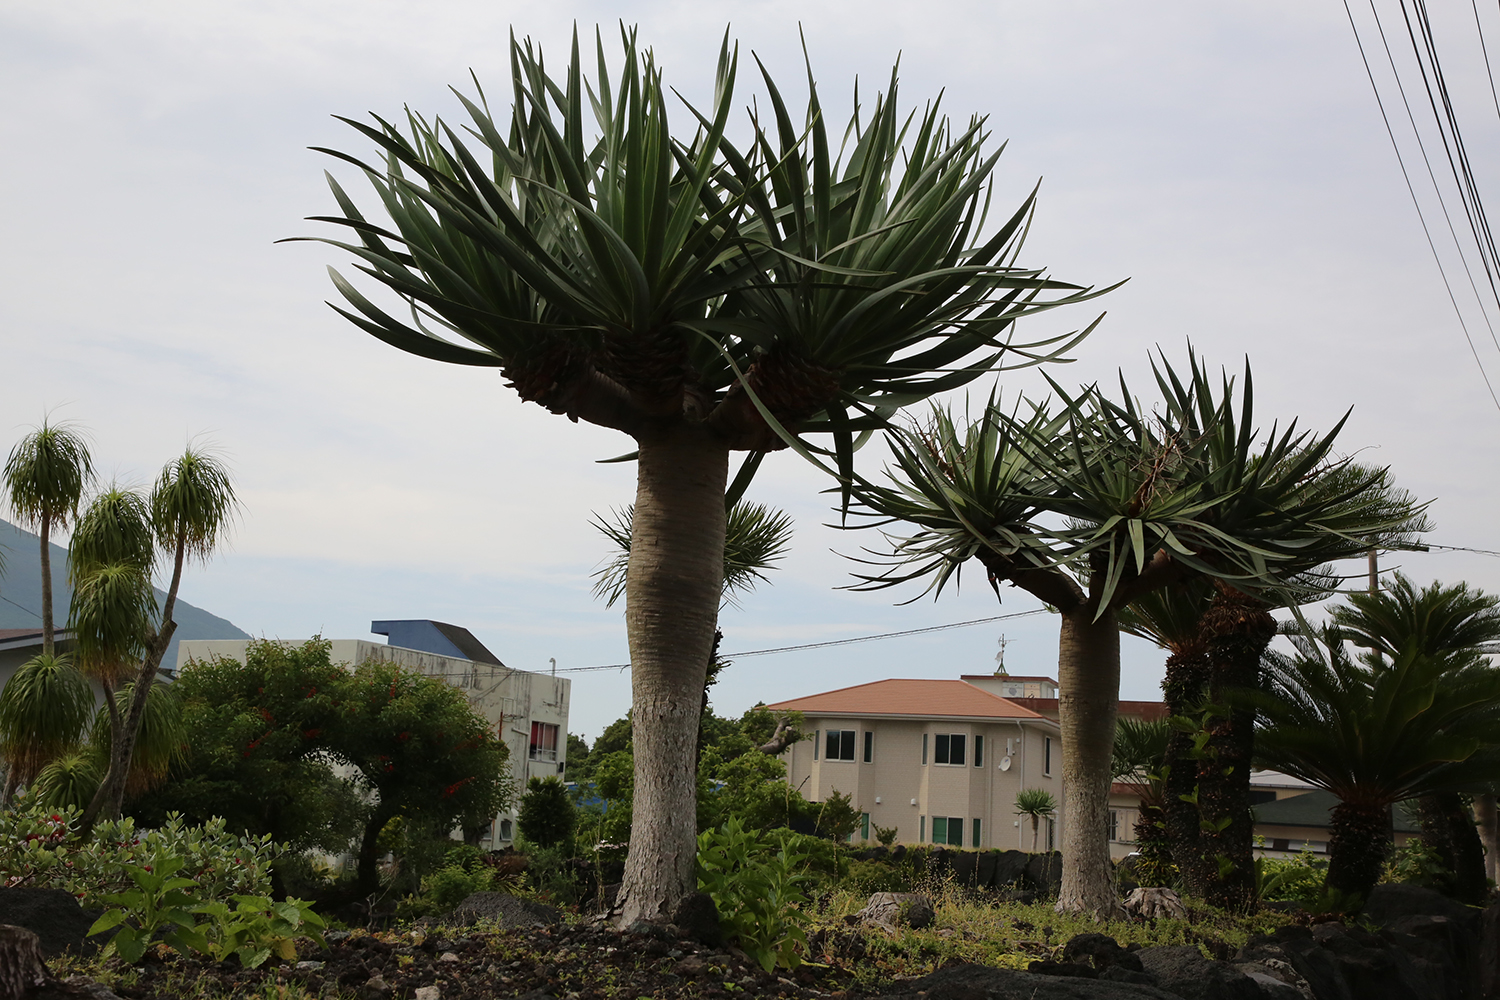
[529,711]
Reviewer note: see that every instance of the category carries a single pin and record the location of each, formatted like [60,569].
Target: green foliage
[69,780]
[1418,863]
[1298,879]
[43,708]
[1035,802]
[870,877]
[42,847]
[547,817]
[46,474]
[885,835]
[837,819]
[757,888]
[156,906]
[256,928]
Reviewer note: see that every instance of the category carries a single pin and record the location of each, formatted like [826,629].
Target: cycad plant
[1140,756]
[1093,508]
[1440,619]
[700,296]
[1375,731]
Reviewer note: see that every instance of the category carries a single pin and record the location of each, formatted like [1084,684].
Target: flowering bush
[40,847]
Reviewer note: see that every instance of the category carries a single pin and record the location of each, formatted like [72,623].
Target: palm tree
[1438,619]
[43,709]
[121,634]
[1093,509]
[1375,733]
[45,477]
[1036,804]
[701,298]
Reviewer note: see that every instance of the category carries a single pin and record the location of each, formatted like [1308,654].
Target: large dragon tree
[701,296]
[1098,506]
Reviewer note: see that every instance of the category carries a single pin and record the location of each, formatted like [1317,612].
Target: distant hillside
[21,593]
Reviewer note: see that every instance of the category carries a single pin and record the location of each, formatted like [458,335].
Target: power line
[830,642]
[1411,190]
[1463,548]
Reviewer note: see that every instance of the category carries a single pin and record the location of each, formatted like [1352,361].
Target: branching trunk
[1357,847]
[785,735]
[108,800]
[48,632]
[367,874]
[672,603]
[1237,629]
[1088,674]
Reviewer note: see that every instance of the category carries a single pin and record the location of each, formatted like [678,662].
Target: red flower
[448,792]
[309,734]
[403,737]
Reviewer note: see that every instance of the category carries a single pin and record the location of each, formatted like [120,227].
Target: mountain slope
[21,593]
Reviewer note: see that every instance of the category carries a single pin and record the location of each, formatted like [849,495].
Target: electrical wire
[1411,189]
[830,642]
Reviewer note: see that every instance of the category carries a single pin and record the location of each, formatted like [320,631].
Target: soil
[578,962]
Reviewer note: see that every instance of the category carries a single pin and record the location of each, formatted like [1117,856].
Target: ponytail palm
[43,709]
[702,298]
[1096,507]
[44,478]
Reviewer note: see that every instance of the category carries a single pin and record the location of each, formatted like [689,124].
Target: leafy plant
[158,906]
[757,889]
[547,818]
[257,928]
[1298,879]
[1035,803]
[886,835]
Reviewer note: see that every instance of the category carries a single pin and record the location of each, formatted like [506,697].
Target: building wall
[509,700]
[897,790]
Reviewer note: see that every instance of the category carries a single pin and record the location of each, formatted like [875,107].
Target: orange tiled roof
[943,698]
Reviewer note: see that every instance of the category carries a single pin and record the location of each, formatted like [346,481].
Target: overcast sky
[1227,158]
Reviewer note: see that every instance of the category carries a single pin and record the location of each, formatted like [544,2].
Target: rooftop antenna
[1000,656]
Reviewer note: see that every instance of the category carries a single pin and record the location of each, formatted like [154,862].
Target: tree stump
[1147,903]
[21,965]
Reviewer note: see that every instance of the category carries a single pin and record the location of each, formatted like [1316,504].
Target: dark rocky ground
[1410,944]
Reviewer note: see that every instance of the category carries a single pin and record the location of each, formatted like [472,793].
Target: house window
[948,748]
[840,745]
[1051,834]
[543,741]
[1114,825]
[817,738]
[1047,756]
[505,832]
[869,747]
[921,829]
[976,831]
[978,750]
[864,826]
[948,830]
[924,749]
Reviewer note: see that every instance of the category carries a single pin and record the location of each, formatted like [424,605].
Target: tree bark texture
[1489,834]
[1088,674]
[1184,687]
[48,631]
[672,602]
[1447,827]
[367,876]
[1154,866]
[1237,629]
[1357,847]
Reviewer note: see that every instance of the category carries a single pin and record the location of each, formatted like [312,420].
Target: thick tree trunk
[671,610]
[1153,867]
[1088,674]
[367,874]
[1449,830]
[1357,847]
[48,633]
[1237,629]
[1489,835]
[1185,687]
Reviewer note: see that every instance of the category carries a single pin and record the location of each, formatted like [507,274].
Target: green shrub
[40,848]
[1297,879]
[757,886]
[868,877]
[1417,863]
[885,835]
[547,817]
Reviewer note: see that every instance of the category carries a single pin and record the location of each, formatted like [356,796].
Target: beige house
[941,761]
[529,711]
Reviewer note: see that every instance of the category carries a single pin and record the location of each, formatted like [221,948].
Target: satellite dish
[1005,763]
